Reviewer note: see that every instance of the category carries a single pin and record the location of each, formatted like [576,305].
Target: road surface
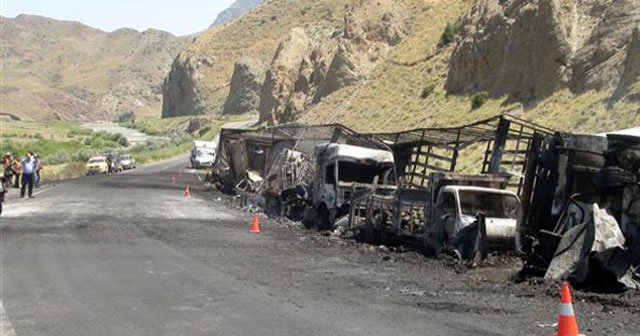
[127,254]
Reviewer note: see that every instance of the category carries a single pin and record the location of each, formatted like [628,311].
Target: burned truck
[581,214]
[445,180]
[300,171]
[343,171]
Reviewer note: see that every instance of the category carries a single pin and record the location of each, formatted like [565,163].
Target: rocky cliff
[530,49]
[65,70]
[245,88]
[385,65]
[313,48]
[304,72]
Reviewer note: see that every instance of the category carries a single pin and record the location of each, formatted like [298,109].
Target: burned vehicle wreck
[302,172]
[581,215]
[569,204]
[449,192]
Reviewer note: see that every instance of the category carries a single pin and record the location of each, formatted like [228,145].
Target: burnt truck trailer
[300,170]
[581,213]
[445,178]
[422,184]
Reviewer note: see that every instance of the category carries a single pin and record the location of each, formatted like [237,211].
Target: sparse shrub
[59,157]
[123,141]
[77,131]
[447,36]
[478,99]
[84,155]
[427,91]
[39,136]
[204,131]
[450,32]
[97,143]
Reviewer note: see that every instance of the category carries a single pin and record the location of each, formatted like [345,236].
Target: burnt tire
[614,177]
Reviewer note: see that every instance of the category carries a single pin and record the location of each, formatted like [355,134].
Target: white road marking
[6,329]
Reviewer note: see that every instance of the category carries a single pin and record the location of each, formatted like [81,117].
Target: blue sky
[180,17]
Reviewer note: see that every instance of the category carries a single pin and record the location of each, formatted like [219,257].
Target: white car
[127,162]
[202,157]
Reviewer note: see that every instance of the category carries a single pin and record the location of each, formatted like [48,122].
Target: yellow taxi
[97,165]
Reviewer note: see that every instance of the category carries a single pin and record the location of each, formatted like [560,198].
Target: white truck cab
[343,169]
[457,207]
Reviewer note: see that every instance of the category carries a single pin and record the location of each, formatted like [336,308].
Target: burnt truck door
[445,216]
[324,181]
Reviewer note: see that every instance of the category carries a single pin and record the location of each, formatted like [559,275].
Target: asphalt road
[127,254]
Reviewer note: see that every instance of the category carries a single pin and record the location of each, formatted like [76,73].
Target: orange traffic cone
[187,192]
[567,324]
[255,225]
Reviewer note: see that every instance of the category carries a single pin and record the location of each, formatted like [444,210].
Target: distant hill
[236,9]
[62,70]
[388,64]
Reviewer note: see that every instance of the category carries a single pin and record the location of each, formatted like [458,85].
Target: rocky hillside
[289,39]
[238,8]
[68,71]
[382,65]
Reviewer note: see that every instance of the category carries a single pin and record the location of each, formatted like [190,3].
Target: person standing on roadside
[9,170]
[38,169]
[29,166]
[5,179]
[17,168]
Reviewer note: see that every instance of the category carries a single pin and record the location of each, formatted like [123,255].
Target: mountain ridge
[66,70]
[236,9]
[390,65]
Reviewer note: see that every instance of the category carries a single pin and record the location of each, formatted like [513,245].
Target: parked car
[97,165]
[203,154]
[127,162]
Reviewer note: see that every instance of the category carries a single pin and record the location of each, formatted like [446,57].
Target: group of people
[23,174]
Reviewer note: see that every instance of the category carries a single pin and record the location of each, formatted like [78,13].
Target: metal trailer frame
[231,162]
[426,157]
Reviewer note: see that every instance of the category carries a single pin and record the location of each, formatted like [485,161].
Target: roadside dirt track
[127,254]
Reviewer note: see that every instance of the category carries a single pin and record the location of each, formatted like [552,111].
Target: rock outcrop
[180,89]
[127,117]
[597,63]
[279,83]
[631,69]
[343,42]
[529,49]
[245,88]
[300,77]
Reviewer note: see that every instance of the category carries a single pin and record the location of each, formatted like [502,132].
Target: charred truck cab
[341,171]
[457,207]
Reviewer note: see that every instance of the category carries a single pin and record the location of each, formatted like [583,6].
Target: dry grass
[257,34]
[63,171]
[391,99]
